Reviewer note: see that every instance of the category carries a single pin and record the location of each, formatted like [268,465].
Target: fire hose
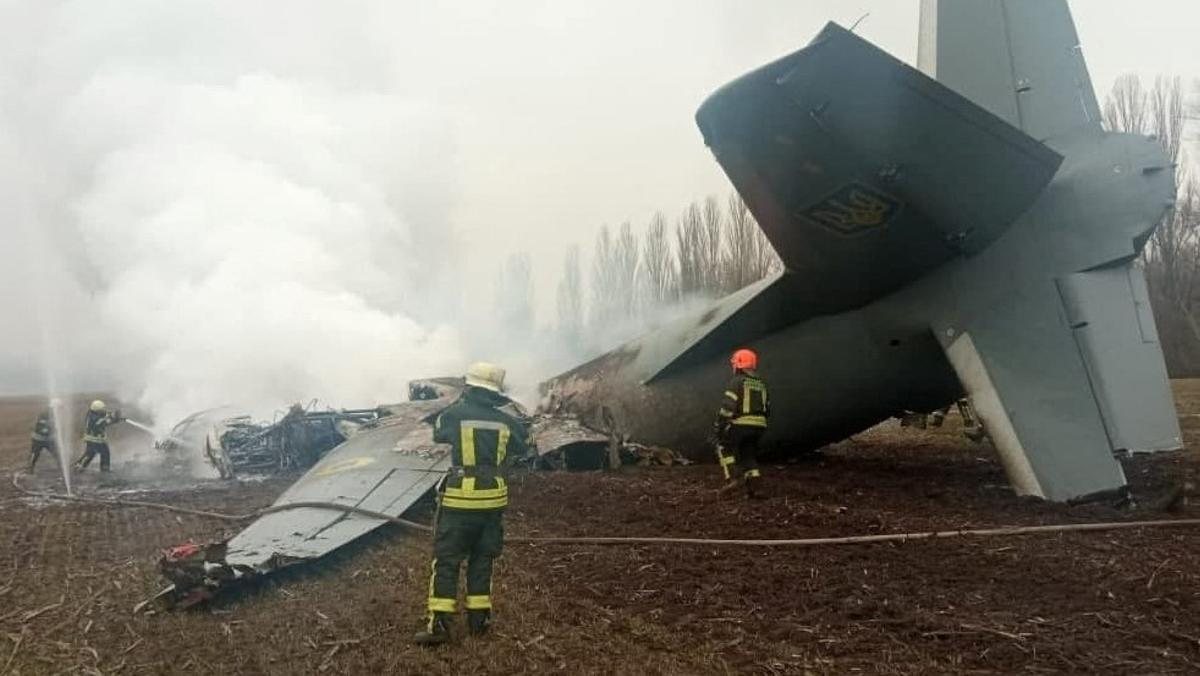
[568,540]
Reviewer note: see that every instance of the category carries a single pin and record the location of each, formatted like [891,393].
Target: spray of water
[62,433]
[49,320]
[141,426]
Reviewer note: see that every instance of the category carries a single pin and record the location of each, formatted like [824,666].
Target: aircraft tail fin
[1020,59]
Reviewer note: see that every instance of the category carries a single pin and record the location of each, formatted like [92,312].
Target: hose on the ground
[707,542]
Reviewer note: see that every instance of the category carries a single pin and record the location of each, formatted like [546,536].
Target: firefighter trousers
[739,452]
[91,450]
[35,451]
[474,536]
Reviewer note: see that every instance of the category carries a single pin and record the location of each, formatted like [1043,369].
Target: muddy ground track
[1122,602]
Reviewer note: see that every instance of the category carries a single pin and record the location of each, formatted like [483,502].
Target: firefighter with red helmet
[741,422]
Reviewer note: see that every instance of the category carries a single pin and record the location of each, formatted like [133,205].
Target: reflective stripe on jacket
[745,402]
[482,438]
[95,427]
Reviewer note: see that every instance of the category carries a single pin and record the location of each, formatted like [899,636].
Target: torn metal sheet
[563,442]
[298,439]
[238,444]
[385,469]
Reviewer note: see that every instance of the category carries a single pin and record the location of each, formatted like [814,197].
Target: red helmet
[744,359]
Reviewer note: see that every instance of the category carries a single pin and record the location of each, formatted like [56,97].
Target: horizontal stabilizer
[1021,366]
[1109,312]
[863,172]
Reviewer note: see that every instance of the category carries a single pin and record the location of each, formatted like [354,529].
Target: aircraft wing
[385,469]
[865,173]
[1019,59]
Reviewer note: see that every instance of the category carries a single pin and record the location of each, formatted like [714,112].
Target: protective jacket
[482,438]
[43,428]
[745,402]
[95,426]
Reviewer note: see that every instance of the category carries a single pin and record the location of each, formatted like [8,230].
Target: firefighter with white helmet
[473,495]
[95,435]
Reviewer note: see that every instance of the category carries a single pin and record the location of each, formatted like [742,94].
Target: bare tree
[1172,257]
[1125,107]
[570,298]
[766,260]
[747,256]
[658,277]
[690,250]
[625,258]
[714,224]
[607,285]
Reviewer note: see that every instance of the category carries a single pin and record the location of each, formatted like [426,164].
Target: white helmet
[98,405]
[485,375]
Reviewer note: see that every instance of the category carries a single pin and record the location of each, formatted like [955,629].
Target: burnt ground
[1118,602]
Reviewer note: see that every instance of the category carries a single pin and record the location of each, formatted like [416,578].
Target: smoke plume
[246,197]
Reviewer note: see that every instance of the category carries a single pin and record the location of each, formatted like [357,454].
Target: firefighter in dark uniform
[42,437]
[95,435]
[741,421]
[473,496]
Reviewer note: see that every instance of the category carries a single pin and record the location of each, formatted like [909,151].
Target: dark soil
[1117,602]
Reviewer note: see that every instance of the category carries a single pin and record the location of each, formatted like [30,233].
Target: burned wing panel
[385,470]
[382,469]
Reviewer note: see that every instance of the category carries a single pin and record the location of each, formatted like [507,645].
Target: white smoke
[252,204]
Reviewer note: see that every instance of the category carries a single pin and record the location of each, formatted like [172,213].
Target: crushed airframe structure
[299,439]
[966,229]
[384,467]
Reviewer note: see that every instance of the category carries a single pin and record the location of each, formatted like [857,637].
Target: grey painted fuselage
[934,245]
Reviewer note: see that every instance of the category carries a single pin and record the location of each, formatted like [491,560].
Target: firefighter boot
[436,631]
[753,481]
[754,489]
[478,622]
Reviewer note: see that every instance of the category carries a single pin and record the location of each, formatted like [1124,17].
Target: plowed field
[1115,602]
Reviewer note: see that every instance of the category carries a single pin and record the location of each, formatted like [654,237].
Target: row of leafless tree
[711,250]
[1172,256]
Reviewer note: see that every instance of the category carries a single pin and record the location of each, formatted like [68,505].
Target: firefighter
[469,523]
[741,421]
[42,437]
[95,435]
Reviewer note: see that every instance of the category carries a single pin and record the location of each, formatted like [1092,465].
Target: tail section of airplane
[986,213]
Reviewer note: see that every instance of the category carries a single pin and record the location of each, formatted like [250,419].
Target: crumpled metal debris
[240,445]
[198,572]
[653,455]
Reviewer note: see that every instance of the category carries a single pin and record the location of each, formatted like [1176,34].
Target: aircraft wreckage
[966,228]
[385,461]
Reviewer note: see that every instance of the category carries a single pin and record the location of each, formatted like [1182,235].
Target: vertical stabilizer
[1020,59]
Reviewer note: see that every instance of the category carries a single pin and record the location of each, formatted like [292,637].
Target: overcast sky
[506,125]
